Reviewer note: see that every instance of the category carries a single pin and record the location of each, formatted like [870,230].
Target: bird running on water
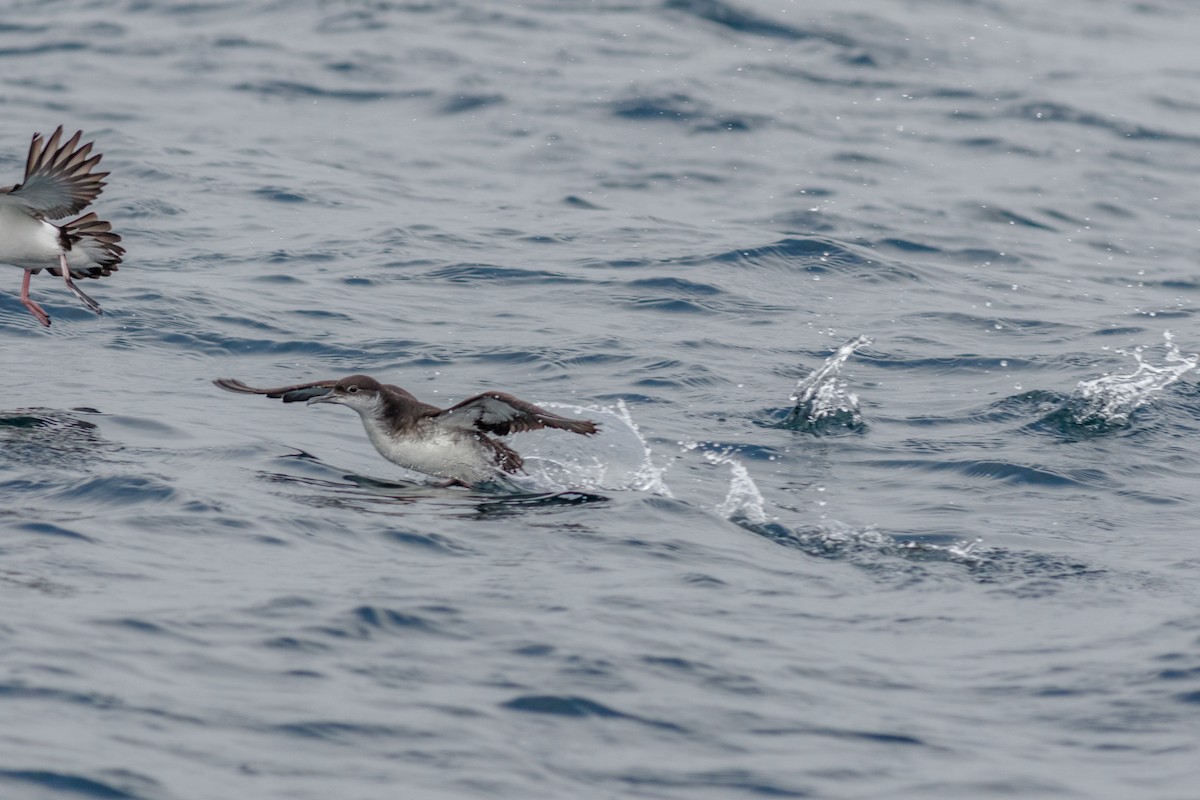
[59,181]
[451,443]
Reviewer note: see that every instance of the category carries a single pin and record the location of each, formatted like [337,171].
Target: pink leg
[66,271]
[38,312]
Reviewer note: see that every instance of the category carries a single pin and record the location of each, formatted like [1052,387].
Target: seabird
[451,443]
[58,182]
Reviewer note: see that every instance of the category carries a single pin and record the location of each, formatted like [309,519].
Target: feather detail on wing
[507,459]
[502,414]
[301,392]
[58,178]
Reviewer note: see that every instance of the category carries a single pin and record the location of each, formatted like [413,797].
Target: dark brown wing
[502,414]
[58,178]
[289,394]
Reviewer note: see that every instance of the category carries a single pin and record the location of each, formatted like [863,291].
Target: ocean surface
[888,311]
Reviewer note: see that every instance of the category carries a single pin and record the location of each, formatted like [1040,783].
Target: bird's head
[361,392]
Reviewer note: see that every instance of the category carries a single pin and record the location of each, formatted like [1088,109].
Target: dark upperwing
[502,414]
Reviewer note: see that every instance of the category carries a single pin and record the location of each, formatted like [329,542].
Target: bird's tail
[94,237]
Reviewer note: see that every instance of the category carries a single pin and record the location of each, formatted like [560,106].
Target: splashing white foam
[744,502]
[618,458]
[648,477]
[744,505]
[824,396]
[1112,398]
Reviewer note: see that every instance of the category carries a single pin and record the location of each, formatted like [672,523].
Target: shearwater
[451,443]
[59,181]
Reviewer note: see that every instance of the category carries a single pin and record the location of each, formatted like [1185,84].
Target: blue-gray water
[681,206]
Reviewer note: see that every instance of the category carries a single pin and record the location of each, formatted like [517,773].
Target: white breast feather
[28,242]
[446,454]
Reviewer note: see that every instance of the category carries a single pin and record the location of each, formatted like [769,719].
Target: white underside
[31,243]
[446,454]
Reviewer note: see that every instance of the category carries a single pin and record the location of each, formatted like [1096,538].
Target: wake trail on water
[822,402]
[745,506]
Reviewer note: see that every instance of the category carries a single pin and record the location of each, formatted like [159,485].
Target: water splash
[822,401]
[648,477]
[745,506]
[1108,401]
[618,458]
[743,503]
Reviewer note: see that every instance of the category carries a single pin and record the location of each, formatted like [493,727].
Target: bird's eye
[352,389]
